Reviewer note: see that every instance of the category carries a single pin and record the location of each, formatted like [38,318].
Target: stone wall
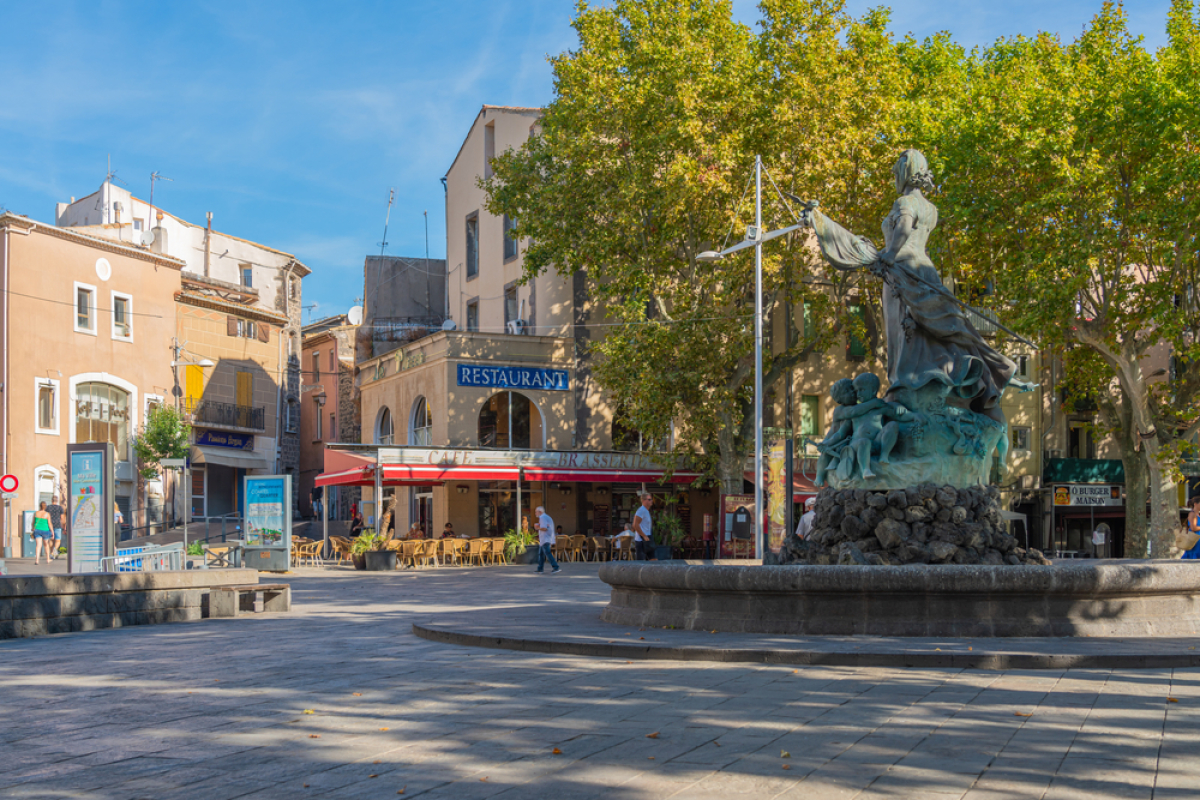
[924,524]
[36,605]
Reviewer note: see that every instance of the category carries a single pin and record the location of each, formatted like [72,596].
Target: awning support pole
[376,516]
[325,524]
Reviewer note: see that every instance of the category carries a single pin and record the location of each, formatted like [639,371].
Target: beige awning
[228,457]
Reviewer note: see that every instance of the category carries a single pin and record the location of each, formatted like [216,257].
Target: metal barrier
[151,558]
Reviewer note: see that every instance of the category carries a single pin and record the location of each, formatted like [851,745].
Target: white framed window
[318,434]
[153,401]
[122,317]
[1020,438]
[85,308]
[247,276]
[46,405]
[420,427]
[1022,362]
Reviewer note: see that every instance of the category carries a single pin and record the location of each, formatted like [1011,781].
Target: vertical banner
[779,494]
[269,511]
[89,537]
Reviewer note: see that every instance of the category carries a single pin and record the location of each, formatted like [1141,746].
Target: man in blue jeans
[546,539]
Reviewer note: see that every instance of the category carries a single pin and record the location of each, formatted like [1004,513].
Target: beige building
[87,329]
[329,408]
[239,308]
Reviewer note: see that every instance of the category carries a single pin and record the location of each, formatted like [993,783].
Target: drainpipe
[4,388]
[207,239]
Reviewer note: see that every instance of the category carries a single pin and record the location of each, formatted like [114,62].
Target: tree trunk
[1164,507]
[730,464]
[1136,485]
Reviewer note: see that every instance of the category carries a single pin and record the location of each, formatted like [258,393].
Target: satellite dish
[449,325]
[354,317]
[147,238]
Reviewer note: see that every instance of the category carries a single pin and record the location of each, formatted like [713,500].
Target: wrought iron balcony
[213,412]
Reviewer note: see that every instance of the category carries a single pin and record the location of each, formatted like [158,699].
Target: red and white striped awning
[437,474]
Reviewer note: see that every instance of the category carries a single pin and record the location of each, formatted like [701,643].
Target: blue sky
[291,120]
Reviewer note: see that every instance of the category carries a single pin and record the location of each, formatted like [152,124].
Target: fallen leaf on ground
[1172,700]
[385,729]
[628,662]
[970,648]
[483,779]
[372,776]
[402,790]
[308,711]
[787,766]
[556,751]
[1019,714]
[358,694]
[643,638]
[314,736]
[629,634]
[937,648]
[718,744]
[377,761]
[784,754]
[649,758]
[216,680]
[306,786]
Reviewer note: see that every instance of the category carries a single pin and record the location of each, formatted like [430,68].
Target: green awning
[1083,470]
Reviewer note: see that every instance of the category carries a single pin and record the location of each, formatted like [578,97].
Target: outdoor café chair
[625,551]
[476,551]
[498,554]
[454,550]
[599,548]
[310,552]
[425,554]
[576,542]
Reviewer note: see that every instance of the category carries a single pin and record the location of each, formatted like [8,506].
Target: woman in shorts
[43,534]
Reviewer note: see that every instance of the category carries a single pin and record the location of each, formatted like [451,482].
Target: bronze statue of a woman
[929,337]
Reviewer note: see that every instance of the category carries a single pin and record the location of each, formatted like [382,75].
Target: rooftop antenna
[111,175]
[391,199]
[154,176]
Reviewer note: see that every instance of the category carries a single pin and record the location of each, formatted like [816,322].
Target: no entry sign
[8,483]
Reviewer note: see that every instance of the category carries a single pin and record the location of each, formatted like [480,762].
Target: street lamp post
[756,238]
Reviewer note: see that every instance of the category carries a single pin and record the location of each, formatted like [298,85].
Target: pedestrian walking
[807,519]
[56,513]
[643,530]
[314,498]
[43,535]
[546,540]
[1193,527]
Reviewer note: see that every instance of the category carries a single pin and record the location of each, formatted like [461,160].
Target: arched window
[102,415]
[510,421]
[383,427]
[420,427]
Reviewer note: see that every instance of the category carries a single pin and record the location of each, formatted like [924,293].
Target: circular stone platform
[1112,599]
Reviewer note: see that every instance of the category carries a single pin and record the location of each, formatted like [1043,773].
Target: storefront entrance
[498,505]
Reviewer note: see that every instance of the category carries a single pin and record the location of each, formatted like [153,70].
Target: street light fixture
[755,238]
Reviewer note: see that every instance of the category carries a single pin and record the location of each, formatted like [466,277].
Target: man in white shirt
[808,519]
[546,538]
[643,537]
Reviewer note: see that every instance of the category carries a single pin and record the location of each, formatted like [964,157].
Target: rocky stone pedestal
[926,524]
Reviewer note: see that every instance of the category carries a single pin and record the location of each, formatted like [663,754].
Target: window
[316,369]
[473,316]
[421,429]
[473,245]
[489,148]
[332,428]
[137,224]
[383,427]
[246,329]
[1020,439]
[1081,441]
[510,421]
[122,327]
[510,306]
[46,393]
[1022,362]
[292,284]
[856,349]
[510,241]
[333,361]
[247,276]
[244,388]
[317,434]
[810,415]
[85,308]
[198,486]
[290,417]
[102,414]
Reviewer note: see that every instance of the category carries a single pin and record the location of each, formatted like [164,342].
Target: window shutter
[264,332]
[231,325]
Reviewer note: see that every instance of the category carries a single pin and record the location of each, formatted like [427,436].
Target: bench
[231,601]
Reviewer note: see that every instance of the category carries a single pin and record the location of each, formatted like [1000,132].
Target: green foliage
[195,549]
[516,541]
[164,435]
[366,541]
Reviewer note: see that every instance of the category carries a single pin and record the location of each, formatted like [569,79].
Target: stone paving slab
[218,710]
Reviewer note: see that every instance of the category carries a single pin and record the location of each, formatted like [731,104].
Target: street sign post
[9,483]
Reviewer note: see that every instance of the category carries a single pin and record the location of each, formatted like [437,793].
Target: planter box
[359,560]
[376,561]
[528,557]
[662,552]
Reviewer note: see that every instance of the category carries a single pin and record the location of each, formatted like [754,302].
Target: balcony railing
[404,329]
[213,412]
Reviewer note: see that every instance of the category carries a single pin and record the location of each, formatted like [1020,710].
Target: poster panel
[90,505]
[779,494]
[268,511]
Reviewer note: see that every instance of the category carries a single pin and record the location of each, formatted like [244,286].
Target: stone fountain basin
[1114,598]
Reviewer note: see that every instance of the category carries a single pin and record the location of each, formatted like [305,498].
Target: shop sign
[235,441]
[552,380]
[544,459]
[1087,495]
[409,360]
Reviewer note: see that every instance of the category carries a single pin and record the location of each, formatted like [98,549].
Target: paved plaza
[339,699]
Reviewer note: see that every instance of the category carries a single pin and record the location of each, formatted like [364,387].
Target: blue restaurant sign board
[237,441]
[553,380]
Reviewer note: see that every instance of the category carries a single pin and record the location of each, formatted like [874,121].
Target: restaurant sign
[553,380]
[543,459]
[1087,495]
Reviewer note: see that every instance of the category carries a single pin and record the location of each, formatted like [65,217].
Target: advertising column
[268,532]
[90,505]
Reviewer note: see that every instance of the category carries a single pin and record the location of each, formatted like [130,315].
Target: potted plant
[668,535]
[520,546]
[362,544]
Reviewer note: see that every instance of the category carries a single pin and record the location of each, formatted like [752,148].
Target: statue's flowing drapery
[942,345]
